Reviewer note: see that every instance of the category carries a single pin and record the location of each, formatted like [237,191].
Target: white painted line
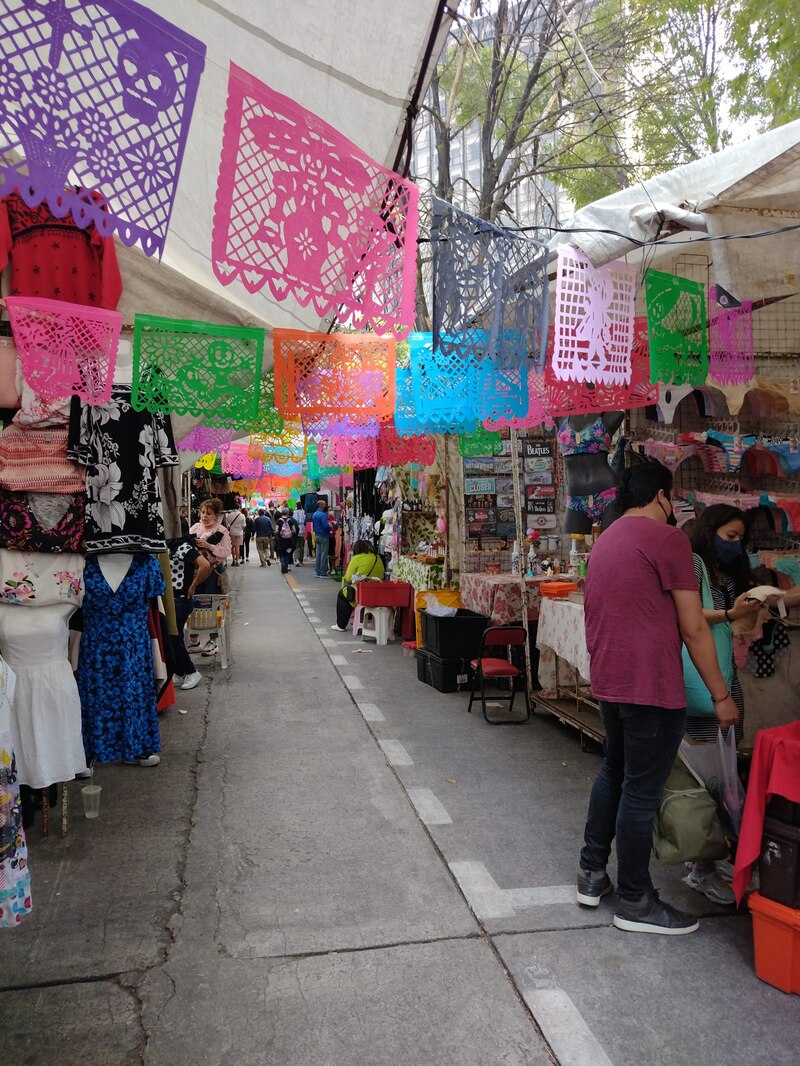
[339,660]
[314,620]
[308,609]
[371,712]
[352,682]
[396,753]
[428,807]
[327,643]
[521,898]
[572,1041]
[483,893]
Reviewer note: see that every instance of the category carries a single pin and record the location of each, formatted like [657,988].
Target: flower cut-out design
[99,95]
[197,368]
[730,331]
[303,210]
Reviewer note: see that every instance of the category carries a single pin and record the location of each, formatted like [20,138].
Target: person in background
[248,533]
[641,602]
[264,532]
[188,569]
[184,518]
[235,522]
[285,539]
[364,563]
[300,518]
[322,535]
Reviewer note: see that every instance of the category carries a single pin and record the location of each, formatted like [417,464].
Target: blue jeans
[639,750]
[321,566]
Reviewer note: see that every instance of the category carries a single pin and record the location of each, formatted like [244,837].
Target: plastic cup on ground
[90,796]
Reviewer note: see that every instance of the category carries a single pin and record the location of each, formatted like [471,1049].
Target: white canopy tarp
[355,63]
[748,188]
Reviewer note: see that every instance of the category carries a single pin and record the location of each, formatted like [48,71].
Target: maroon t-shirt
[631,623]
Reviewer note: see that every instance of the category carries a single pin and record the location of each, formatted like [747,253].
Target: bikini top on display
[594,438]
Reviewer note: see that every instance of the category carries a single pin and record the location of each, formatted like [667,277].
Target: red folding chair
[487,668]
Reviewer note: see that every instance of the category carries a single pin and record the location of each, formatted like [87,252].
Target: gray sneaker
[711,885]
[649,914]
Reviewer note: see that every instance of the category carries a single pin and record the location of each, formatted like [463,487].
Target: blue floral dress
[115,671]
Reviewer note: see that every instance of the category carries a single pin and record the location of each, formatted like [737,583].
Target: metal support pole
[523,586]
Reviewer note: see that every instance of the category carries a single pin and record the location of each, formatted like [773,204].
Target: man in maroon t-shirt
[641,603]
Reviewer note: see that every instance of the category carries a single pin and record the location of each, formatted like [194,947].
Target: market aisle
[267,895]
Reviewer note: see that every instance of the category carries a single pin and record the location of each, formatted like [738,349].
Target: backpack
[286,529]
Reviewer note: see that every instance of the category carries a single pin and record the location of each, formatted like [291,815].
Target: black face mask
[671,519]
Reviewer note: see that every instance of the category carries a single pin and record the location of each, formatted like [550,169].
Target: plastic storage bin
[445,675]
[382,593]
[776,940]
[783,810]
[458,637]
[449,597]
[779,865]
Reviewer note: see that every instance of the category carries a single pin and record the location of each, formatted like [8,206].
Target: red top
[631,623]
[775,771]
[53,258]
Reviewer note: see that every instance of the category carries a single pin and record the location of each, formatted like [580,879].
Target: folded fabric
[35,460]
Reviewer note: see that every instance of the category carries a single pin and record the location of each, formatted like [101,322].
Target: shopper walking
[300,517]
[264,532]
[235,522]
[641,601]
[322,536]
[248,533]
[286,539]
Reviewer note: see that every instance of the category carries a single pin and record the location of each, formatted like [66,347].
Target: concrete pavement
[335,865]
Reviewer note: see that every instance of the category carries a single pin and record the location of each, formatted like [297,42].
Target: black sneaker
[651,915]
[592,886]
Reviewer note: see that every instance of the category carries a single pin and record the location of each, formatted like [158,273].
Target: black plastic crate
[779,865]
[783,810]
[445,675]
[457,637]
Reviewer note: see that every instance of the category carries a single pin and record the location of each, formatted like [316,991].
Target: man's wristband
[721,698]
[727,615]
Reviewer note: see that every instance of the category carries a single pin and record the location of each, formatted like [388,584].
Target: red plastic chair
[487,667]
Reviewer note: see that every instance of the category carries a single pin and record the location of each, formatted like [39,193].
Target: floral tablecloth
[560,633]
[420,575]
[499,596]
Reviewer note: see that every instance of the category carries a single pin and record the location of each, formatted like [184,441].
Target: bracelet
[727,615]
[721,698]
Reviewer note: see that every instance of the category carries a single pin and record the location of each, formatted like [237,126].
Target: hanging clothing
[51,257]
[35,460]
[41,521]
[15,879]
[39,593]
[115,671]
[122,449]
[588,441]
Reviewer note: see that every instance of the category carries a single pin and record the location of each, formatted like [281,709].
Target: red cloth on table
[775,771]
[52,258]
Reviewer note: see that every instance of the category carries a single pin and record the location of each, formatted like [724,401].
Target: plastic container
[445,675]
[90,797]
[448,597]
[382,593]
[779,865]
[776,942]
[458,637]
[557,590]
[783,810]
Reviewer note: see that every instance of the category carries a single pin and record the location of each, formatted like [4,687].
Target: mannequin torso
[114,567]
[588,474]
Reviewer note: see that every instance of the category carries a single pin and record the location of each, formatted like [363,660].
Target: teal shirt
[364,564]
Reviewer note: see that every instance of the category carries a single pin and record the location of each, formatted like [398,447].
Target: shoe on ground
[711,885]
[178,679]
[82,774]
[269,562]
[192,680]
[337,628]
[194,641]
[651,915]
[592,886]
[210,648]
[144,760]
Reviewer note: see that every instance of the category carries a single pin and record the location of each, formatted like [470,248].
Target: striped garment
[35,460]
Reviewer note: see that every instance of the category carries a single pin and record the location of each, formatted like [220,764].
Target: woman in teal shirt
[363,563]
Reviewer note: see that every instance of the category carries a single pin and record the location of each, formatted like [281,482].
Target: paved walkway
[335,865]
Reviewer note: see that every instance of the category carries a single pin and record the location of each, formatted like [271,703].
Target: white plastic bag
[433,606]
[715,763]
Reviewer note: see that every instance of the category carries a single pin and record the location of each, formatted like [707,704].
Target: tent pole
[523,587]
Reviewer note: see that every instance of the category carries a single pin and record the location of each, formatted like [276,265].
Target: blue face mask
[727,551]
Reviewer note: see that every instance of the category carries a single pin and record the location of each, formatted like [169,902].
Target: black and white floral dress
[121,449]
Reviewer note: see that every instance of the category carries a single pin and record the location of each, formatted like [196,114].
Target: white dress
[39,592]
